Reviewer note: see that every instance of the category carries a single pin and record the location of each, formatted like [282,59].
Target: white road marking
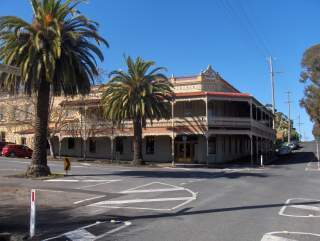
[113,203]
[80,235]
[272,236]
[155,190]
[306,207]
[142,200]
[310,166]
[82,180]
[8,169]
[21,162]
[300,206]
[269,237]
[88,199]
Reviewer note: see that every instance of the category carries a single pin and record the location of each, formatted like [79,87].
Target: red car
[3,144]
[14,150]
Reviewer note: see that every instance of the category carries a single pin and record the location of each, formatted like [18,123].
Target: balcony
[237,122]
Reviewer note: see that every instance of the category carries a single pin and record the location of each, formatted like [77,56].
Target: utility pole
[299,124]
[289,126]
[272,89]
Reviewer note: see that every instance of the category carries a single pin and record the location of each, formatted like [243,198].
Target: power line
[258,35]
[289,107]
[299,126]
[246,24]
[234,15]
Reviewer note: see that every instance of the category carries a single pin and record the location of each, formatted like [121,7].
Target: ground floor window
[92,146]
[119,145]
[3,136]
[71,143]
[150,145]
[23,141]
[212,145]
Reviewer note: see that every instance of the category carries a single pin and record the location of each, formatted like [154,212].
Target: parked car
[3,144]
[293,146]
[283,150]
[14,150]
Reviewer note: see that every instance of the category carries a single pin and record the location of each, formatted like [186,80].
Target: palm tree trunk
[137,143]
[39,165]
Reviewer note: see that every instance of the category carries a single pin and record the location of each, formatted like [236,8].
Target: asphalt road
[279,202]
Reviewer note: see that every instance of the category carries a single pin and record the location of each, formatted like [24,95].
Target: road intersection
[275,203]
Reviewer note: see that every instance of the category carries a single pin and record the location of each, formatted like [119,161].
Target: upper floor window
[188,108]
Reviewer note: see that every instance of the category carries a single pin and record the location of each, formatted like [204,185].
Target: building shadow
[298,157]
[179,174]
[188,211]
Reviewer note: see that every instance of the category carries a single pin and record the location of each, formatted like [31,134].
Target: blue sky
[234,36]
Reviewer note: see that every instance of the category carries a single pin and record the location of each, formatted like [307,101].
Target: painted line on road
[310,166]
[79,235]
[287,204]
[89,199]
[142,200]
[306,207]
[113,203]
[272,236]
[154,190]
[9,169]
[83,181]
[83,235]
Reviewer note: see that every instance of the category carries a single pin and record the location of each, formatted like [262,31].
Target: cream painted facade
[212,122]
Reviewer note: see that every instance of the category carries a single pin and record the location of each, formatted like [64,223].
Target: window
[223,144]
[150,145]
[92,146]
[236,145]
[71,143]
[188,108]
[212,145]
[119,145]
[3,136]
[23,141]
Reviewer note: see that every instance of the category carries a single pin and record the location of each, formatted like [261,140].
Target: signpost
[32,212]
[317,143]
[67,165]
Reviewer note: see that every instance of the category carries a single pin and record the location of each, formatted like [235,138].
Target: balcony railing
[229,121]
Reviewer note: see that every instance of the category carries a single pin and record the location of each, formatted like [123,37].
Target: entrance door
[184,151]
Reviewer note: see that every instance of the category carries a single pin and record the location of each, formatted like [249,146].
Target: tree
[282,126]
[311,76]
[137,95]
[55,54]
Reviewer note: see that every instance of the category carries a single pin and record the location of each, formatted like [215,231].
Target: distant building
[212,122]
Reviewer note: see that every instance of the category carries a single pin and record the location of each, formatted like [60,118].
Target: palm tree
[56,54]
[137,95]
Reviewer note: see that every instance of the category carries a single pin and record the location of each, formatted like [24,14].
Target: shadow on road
[180,174]
[187,212]
[298,157]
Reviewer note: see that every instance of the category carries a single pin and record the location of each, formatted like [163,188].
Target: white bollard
[32,212]
[261,160]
